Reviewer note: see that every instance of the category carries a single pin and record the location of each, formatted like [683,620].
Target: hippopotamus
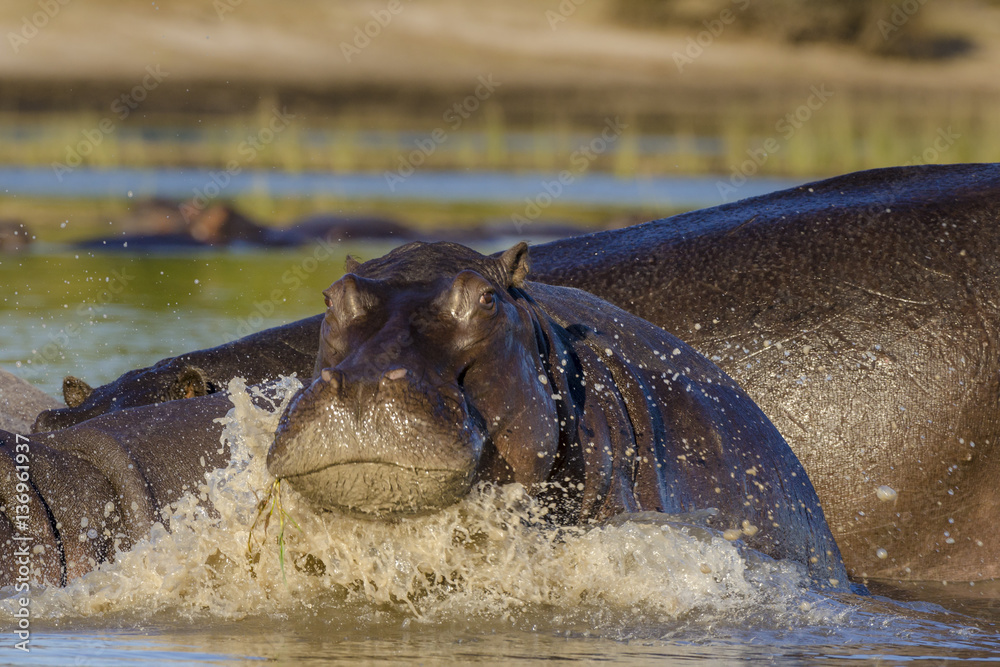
[15,236]
[70,499]
[860,314]
[597,412]
[439,368]
[283,350]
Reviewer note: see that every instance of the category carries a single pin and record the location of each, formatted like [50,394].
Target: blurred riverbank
[726,89]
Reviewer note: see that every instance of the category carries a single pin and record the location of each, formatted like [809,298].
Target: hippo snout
[387,445]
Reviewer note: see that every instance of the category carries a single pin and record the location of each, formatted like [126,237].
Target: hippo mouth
[381,489]
[380,451]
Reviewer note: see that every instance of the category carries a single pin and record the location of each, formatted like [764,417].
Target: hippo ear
[190,382]
[514,265]
[75,391]
[207,225]
[351,264]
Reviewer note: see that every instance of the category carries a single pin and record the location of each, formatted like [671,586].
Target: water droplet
[886,493]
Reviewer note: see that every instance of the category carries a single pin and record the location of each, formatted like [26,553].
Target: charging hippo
[860,313]
[439,367]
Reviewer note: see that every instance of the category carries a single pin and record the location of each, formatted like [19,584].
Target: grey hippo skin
[81,493]
[860,313]
[439,367]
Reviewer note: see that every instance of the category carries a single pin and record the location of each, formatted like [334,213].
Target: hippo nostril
[396,374]
[330,378]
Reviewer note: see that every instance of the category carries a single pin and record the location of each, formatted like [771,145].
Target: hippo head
[428,378]
[168,380]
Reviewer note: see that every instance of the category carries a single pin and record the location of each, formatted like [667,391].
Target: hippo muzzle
[392,446]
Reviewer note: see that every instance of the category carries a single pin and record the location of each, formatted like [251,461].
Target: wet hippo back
[860,313]
[85,492]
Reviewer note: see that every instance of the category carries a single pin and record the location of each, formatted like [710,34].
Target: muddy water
[484,581]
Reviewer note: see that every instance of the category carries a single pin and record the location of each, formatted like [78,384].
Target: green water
[96,315]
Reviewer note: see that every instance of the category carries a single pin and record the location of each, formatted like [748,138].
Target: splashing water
[490,557]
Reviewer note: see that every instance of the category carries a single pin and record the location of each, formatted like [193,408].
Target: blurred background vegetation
[710,92]
[701,85]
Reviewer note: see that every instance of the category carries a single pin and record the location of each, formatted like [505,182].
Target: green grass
[267,513]
[850,131]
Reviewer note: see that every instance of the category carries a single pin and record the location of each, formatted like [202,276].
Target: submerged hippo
[439,367]
[860,313]
[279,351]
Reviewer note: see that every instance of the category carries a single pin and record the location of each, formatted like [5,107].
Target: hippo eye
[487,299]
[328,301]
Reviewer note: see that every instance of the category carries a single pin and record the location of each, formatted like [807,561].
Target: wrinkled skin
[861,315]
[262,356]
[439,367]
[89,490]
[880,287]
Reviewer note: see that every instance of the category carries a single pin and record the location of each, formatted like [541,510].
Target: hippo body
[439,367]
[15,237]
[73,497]
[860,313]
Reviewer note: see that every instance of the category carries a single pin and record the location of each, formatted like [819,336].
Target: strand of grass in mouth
[274,496]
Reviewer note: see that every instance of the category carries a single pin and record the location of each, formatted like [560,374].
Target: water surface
[590,188]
